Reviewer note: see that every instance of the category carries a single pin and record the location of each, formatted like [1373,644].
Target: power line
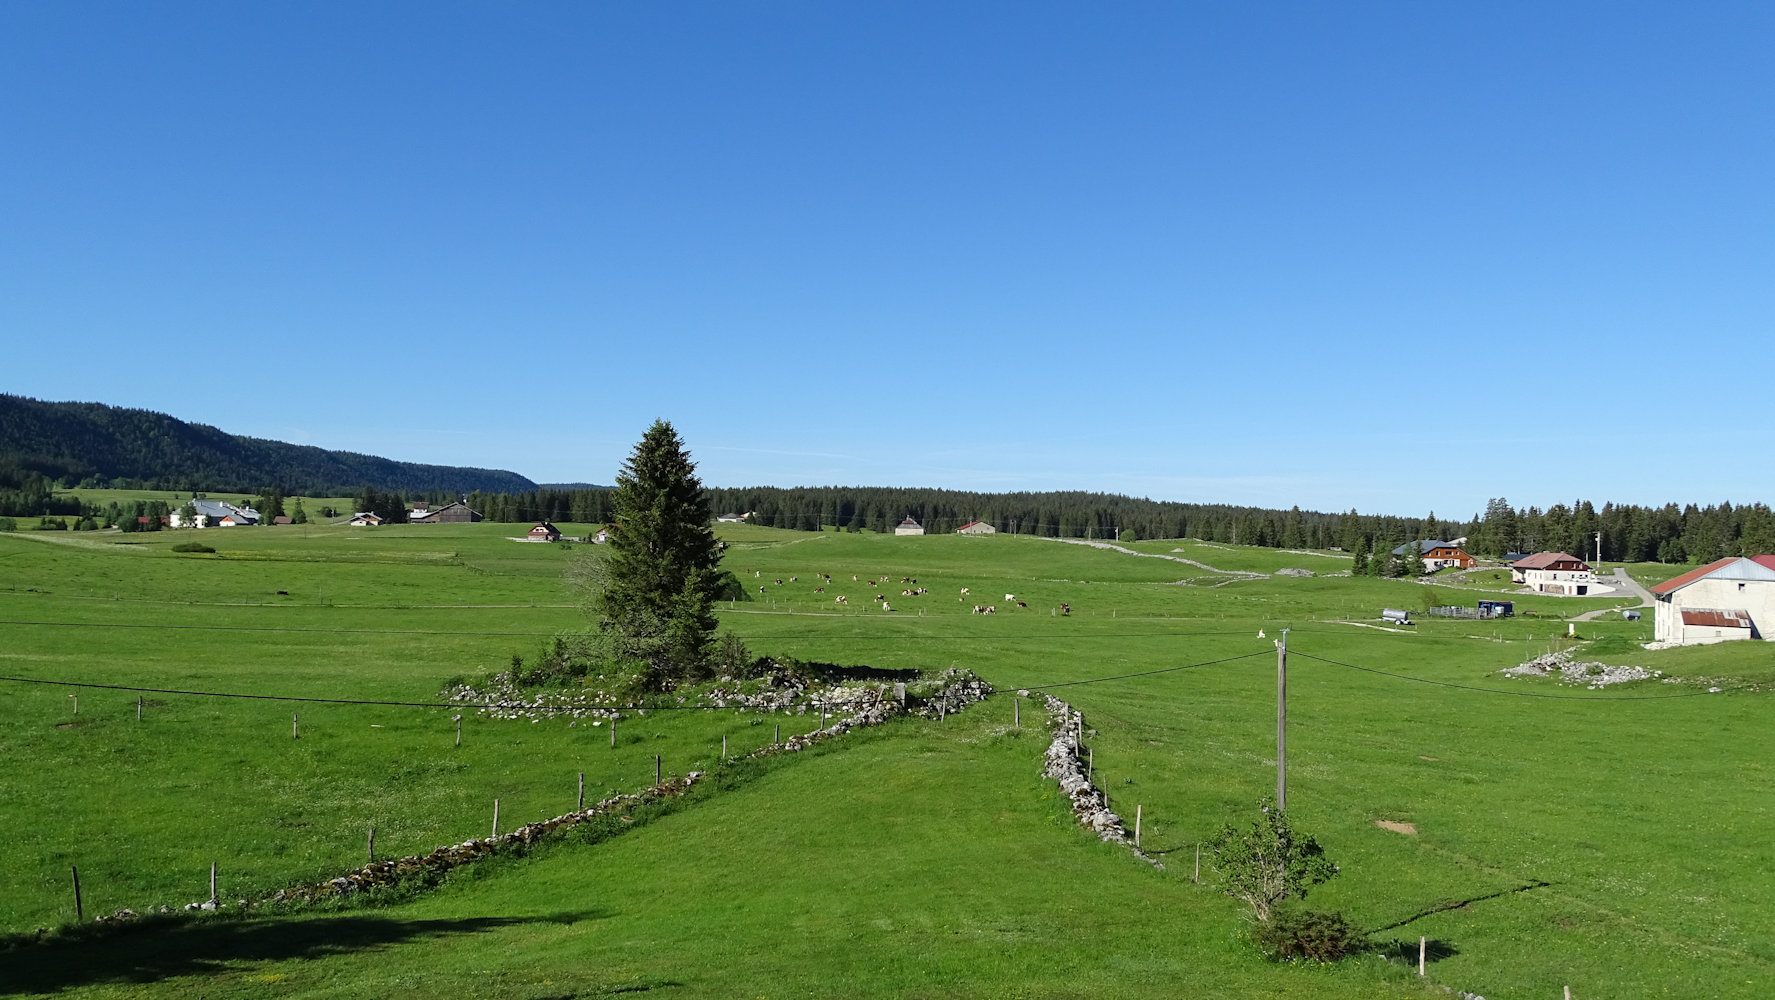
[458,705]
[809,636]
[266,628]
[1518,694]
[1143,673]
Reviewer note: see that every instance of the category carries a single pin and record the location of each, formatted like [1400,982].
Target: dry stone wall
[861,705]
[1066,765]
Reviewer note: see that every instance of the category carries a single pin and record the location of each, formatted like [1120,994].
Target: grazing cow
[779,583]
[794,578]
[964,590]
[881,597]
[761,588]
[754,573]
[979,610]
[841,599]
[1008,597]
[1022,605]
[1065,608]
[819,590]
[991,610]
[884,606]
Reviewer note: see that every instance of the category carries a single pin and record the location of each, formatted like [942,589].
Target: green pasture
[176,498]
[1619,846]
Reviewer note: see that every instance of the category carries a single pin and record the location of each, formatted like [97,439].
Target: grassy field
[174,498]
[1615,845]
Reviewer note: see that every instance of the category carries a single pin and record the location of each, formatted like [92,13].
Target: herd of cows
[911,591]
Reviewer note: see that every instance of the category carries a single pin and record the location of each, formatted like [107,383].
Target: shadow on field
[153,950]
[1407,951]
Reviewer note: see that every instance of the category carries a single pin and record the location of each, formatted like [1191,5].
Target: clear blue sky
[1399,257]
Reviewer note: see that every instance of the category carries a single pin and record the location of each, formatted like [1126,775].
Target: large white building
[909,527]
[1731,598]
[214,514]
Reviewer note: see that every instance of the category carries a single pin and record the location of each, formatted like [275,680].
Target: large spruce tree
[662,568]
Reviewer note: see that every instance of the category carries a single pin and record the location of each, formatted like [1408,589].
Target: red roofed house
[1554,573]
[976,528]
[1722,601]
[544,532]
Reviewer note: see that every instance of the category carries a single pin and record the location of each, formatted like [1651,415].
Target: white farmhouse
[909,527]
[1731,598]
[976,528]
[1556,573]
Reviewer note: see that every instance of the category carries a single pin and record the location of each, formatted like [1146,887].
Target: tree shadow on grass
[154,950]
[1407,951]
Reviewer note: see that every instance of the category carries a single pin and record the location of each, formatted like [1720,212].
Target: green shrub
[192,547]
[1316,936]
[8,524]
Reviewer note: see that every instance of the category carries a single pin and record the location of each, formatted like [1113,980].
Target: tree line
[1630,533]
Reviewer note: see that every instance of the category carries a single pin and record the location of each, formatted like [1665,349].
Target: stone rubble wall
[867,706]
[1066,765]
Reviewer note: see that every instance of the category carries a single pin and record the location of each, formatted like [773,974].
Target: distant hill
[101,445]
[573,486]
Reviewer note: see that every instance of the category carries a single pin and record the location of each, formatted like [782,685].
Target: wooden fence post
[657,769]
[138,708]
[1197,877]
[495,817]
[212,881]
[723,746]
[582,791]
[613,731]
[294,733]
[370,846]
[1137,810]
[1421,948]
[459,730]
[1016,712]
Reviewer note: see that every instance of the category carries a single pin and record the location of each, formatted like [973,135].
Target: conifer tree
[662,569]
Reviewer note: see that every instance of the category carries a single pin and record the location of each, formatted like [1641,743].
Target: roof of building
[545,526]
[1542,560]
[908,522]
[968,525]
[1730,568]
[1716,619]
[1425,546]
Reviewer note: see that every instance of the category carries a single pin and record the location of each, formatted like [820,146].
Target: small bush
[8,524]
[1317,936]
[192,547]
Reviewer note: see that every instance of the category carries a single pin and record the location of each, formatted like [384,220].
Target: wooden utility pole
[1282,721]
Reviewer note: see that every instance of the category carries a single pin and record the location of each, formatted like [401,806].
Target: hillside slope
[82,441]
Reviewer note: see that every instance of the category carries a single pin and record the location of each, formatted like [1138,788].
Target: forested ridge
[99,446]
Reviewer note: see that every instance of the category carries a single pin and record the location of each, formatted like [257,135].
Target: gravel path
[1238,573]
[1627,583]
